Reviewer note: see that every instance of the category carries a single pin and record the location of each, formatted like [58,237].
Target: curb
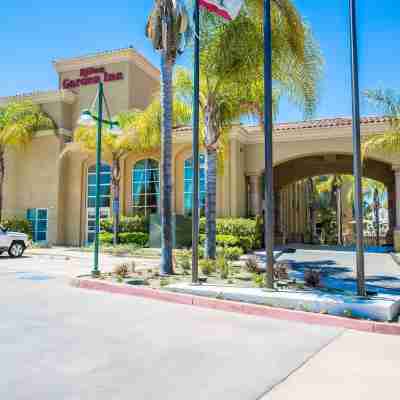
[241,308]
[395,258]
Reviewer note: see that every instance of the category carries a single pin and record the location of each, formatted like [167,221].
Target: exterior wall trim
[63,96]
[50,132]
[253,135]
[116,56]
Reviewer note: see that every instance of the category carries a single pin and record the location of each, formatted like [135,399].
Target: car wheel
[16,249]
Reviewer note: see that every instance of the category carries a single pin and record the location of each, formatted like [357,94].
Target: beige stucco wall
[142,87]
[32,181]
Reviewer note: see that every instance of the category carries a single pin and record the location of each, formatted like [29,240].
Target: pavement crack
[301,365]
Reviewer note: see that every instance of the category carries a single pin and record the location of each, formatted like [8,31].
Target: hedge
[137,223]
[139,238]
[18,225]
[244,242]
[247,231]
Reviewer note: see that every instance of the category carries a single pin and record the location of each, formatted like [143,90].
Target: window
[38,218]
[105,198]
[146,187]
[188,185]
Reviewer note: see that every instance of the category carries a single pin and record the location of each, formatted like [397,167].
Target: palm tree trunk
[211,200]
[376,212]
[312,210]
[339,215]
[166,267]
[2,171]
[115,182]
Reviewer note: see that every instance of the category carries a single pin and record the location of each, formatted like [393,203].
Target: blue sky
[31,37]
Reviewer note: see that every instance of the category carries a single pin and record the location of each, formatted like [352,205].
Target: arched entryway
[291,186]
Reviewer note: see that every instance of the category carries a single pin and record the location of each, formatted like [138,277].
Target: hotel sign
[92,76]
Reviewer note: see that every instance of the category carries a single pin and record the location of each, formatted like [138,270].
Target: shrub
[138,238]
[251,264]
[246,231]
[259,232]
[245,242]
[312,277]
[18,225]
[223,266]
[233,253]
[137,223]
[184,260]
[207,267]
[122,269]
[259,280]
[201,251]
[232,226]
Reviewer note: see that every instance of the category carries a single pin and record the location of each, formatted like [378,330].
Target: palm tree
[388,143]
[167,27]
[232,76]
[19,122]
[333,186]
[376,192]
[388,102]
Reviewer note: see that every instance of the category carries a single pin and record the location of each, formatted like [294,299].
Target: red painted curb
[242,308]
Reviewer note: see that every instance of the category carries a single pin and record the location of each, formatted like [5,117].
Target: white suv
[14,243]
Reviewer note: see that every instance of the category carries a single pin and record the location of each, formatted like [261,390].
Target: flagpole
[269,172]
[357,163]
[195,144]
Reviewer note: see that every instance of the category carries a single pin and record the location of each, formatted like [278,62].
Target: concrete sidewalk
[355,366]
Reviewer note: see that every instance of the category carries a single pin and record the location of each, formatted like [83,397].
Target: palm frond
[19,121]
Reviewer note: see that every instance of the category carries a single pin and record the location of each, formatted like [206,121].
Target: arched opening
[146,187]
[305,215]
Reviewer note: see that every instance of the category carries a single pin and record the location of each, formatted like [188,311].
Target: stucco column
[396,233]
[255,195]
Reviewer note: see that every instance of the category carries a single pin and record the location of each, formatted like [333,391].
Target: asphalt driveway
[59,342]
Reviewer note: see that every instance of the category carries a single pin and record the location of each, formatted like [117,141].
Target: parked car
[14,243]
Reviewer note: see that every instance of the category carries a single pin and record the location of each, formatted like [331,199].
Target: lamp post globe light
[90,118]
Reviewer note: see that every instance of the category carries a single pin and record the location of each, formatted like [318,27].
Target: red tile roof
[316,123]
[326,123]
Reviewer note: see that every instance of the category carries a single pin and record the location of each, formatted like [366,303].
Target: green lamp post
[94,117]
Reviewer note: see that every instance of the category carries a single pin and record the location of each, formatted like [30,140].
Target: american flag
[228,9]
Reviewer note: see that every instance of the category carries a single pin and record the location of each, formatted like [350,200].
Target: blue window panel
[145,186]
[91,191]
[41,225]
[38,219]
[91,224]
[188,184]
[91,202]
[92,180]
[103,168]
[139,200]
[105,190]
[42,214]
[188,187]
[138,176]
[105,179]
[105,201]
[30,214]
[90,237]
[41,236]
